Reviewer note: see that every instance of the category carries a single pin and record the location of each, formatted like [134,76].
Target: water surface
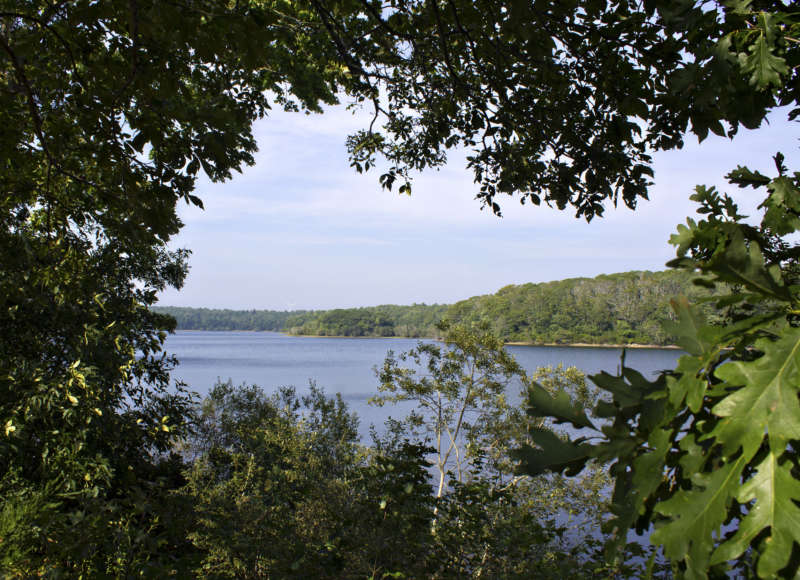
[345,365]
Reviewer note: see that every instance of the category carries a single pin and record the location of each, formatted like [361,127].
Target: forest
[415,321]
[224,319]
[115,113]
[625,308]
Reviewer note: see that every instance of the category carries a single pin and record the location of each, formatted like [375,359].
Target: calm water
[345,365]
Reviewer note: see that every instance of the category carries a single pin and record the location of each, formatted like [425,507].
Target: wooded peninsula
[622,308]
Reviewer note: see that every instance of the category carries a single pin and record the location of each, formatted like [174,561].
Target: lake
[345,365]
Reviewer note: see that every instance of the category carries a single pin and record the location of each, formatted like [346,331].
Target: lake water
[345,365]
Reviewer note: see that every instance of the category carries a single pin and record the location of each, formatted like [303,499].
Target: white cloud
[302,227]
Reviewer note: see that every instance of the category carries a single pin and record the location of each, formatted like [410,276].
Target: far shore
[593,345]
[512,343]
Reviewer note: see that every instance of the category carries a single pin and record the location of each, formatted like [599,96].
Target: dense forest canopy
[111,110]
[417,320]
[625,308]
[225,319]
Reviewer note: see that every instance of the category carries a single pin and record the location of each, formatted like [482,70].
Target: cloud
[302,227]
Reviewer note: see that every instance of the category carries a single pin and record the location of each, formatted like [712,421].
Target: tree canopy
[561,102]
[110,111]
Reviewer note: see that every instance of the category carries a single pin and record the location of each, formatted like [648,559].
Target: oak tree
[110,111]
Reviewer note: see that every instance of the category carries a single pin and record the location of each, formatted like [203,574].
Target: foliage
[256,471]
[489,531]
[278,485]
[281,487]
[414,321]
[707,454]
[459,394]
[482,531]
[393,539]
[560,102]
[488,522]
[624,308]
[213,319]
[110,110]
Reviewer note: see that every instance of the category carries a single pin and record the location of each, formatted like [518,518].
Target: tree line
[624,308]
[225,319]
[415,321]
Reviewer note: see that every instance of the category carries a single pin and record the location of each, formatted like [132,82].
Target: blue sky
[302,230]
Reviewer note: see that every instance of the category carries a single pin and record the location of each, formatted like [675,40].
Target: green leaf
[693,455]
[648,468]
[744,177]
[687,383]
[739,264]
[783,207]
[551,454]
[764,67]
[695,514]
[687,329]
[739,6]
[767,400]
[775,492]
[738,330]
[193,167]
[139,141]
[627,393]
[560,407]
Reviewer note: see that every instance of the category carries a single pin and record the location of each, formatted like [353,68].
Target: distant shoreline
[593,345]
[511,343]
[611,309]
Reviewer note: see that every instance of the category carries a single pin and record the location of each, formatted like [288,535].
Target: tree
[707,453]
[619,308]
[559,102]
[110,110]
[264,470]
[281,487]
[489,522]
[459,394]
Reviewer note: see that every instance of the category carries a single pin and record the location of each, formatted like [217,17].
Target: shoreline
[593,345]
[636,346]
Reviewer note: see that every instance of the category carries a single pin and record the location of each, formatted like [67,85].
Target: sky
[302,230]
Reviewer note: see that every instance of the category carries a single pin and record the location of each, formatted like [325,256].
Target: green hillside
[624,308]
